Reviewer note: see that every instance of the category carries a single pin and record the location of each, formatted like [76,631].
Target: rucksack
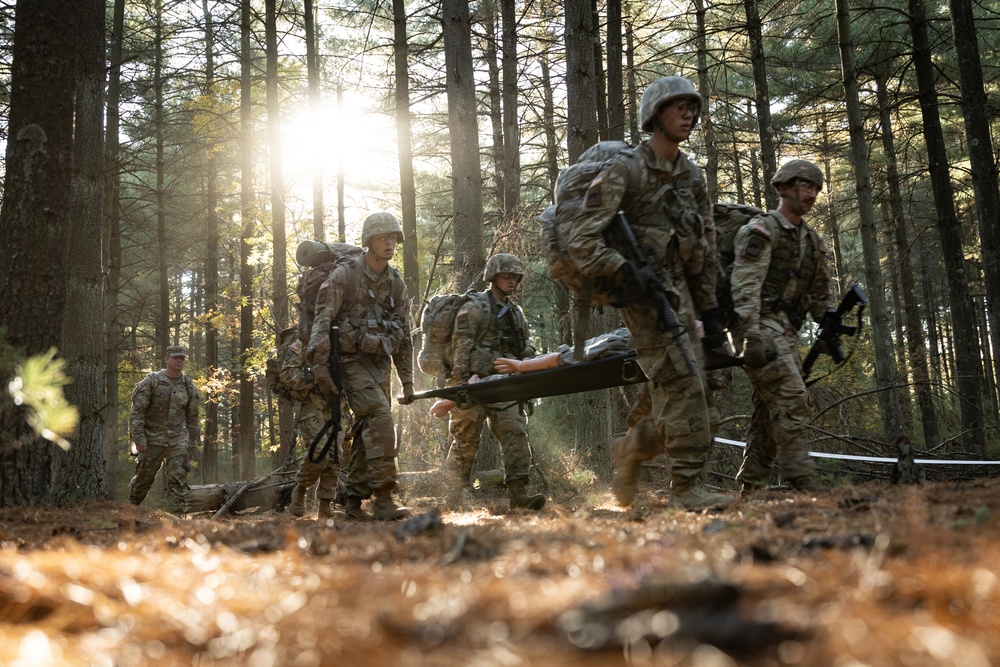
[318,260]
[729,219]
[285,374]
[558,219]
[437,323]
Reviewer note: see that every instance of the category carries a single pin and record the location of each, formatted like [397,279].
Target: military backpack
[437,323]
[286,374]
[318,260]
[559,220]
[729,219]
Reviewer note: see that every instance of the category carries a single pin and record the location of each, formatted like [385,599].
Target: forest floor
[857,575]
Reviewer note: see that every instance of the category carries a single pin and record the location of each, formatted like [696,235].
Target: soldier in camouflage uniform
[314,410]
[163,425]
[664,197]
[780,273]
[366,300]
[487,327]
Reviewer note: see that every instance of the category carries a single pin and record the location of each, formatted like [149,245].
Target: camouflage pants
[509,426]
[312,418]
[679,401]
[777,435]
[148,463]
[373,451]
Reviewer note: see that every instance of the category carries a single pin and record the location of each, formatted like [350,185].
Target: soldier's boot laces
[519,499]
[325,508]
[386,509]
[696,496]
[297,506]
[354,512]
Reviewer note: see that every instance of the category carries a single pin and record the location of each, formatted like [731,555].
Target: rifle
[832,327]
[332,426]
[642,259]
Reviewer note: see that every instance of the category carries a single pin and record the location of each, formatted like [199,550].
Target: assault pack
[437,323]
[318,260]
[559,219]
[729,219]
[286,375]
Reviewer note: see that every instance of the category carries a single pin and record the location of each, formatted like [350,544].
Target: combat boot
[386,510]
[297,506]
[642,443]
[354,512]
[325,508]
[519,499]
[696,497]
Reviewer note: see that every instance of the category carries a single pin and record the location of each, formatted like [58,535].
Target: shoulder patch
[296,345]
[595,192]
[323,289]
[755,246]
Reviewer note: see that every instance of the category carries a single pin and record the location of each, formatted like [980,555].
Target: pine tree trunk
[80,471]
[616,91]
[968,370]
[210,444]
[466,175]
[885,371]
[315,105]
[763,100]
[704,83]
[247,448]
[408,191]
[511,167]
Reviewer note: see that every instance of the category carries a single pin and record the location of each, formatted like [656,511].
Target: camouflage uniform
[669,211]
[779,275]
[372,312]
[480,337]
[164,416]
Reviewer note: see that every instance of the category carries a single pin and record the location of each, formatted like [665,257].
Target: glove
[407,396]
[758,352]
[634,285]
[713,321]
[324,382]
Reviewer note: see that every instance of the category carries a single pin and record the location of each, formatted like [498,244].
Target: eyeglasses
[685,105]
[385,238]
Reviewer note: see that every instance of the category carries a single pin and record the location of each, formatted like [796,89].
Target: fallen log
[272,491]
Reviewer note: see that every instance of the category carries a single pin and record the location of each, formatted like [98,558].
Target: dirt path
[870,575]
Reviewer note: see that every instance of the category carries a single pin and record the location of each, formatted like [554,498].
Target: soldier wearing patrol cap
[664,197]
[164,430]
[780,274]
[365,299]
[489,326]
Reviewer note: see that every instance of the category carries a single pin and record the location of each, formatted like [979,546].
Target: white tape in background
[875,459]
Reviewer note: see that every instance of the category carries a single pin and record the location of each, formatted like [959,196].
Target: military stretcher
[614,370]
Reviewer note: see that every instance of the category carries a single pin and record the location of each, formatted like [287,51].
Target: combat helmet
[502,263]
[794,169]
[380,223]
[664,90]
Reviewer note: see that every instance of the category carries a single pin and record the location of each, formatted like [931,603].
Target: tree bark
[975,107]
[763,100]
[80,472]
[885,371]
[407,184]
[247,449]
[963,318]
[511,126]
[581,84]
[35,220]
[616,91]
[163,273]
[315,105]
[466,174]
[210,443]
[704,83]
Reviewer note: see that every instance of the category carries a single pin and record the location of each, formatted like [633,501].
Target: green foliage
[37,385]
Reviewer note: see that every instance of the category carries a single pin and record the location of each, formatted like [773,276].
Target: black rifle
[832,327]
[643,260]
[332,426]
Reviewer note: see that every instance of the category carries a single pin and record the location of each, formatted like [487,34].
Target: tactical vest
[158,415]
[786,266]
[368,321]
[496,337]
[664,210]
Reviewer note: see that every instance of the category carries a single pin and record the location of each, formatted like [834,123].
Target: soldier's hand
[759,352]
[713,321]
[407,396]
[324,382]
[138,447]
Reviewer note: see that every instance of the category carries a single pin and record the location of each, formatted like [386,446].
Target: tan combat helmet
[664,90]
[503,263]
[794,169]
[380,223]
